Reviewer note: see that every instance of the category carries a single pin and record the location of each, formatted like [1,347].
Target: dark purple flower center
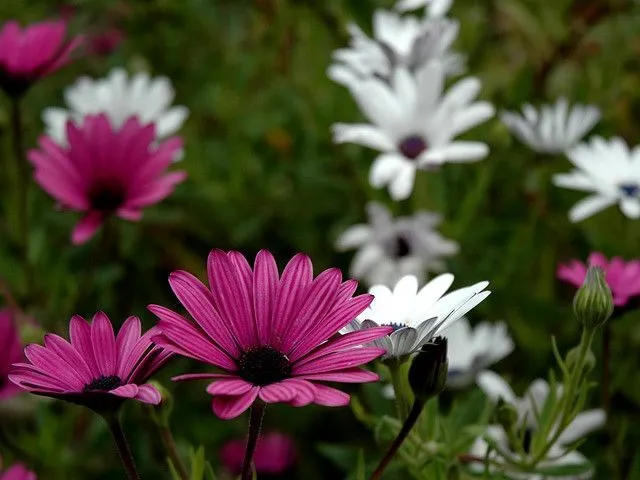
[395,326]
[264,366]
[412,146]
[106,198]
[630,189]
[104,383]
[402,247]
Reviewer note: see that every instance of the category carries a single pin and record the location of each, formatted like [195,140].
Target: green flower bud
[428,371]
[593,302]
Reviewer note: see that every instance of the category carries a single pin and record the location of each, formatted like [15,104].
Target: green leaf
[565,470]
[361,468]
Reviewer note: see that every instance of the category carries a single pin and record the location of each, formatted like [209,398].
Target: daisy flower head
[16,472]
[622,277]
[406,41]
[10,353]
[414,124]
[106,171]
[120,97]
[553,129]
[389,249]
[31,53]
[96,368]
[472,350]
[435,8]
[609,171]
[272,336]
[416,316]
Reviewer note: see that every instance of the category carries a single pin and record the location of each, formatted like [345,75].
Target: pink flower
[622,277]
[16,472]
[10,352]
[104,42]
[274,337]
[274,454]
[97,369]
[105,171]
[28,54]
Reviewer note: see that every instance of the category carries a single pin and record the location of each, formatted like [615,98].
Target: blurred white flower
[471,351]
[398,41]
[435,8]
[389,248]
[607,169]
[534,401]
[416,315]
[414,124]
[554,129]
[119,97]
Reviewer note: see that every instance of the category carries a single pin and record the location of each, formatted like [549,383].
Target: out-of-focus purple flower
[10,353]
[275,454]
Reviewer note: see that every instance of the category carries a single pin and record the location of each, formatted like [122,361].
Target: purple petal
[277,393]
[127,338]
[125,391]
[80,335]
[200,376]
[149,394]
[265,288]
[104,345]
[345,341]
[227,407]
[338,361]
[330,397]
[231,387]
[348,375]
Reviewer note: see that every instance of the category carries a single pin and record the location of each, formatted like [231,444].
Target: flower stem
[113,421]
[172,451]
[411,420]
[401,388]
[606,368]
[255,426]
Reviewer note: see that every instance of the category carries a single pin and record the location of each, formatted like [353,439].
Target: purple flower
[275,454]
[16,472]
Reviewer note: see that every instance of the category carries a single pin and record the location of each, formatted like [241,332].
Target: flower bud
[428,372]
[593,302]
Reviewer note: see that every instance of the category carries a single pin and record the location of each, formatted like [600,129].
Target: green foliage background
[263,173]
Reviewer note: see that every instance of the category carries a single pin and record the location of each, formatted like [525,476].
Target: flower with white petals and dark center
[412,146]
[610,171]
[390,248]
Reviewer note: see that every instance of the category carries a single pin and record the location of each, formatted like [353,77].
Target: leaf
[361,469]
[565,470]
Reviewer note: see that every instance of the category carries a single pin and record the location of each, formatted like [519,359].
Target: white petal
[363,134]
[404,341]
[365,259]
[495,387]
[401,186]
[384,169]
[630,207]
[583,424]
[461,151]
[170,121]
[589,206]
[354,237]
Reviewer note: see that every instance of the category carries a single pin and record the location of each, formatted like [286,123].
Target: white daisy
[416,316]
[607,169]
[119,97]
[389,248]
[414,124]
[435,8]
[554,129]
[471,351]
[398,40]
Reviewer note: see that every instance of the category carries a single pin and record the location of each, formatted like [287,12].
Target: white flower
[435,8]
[473,350]
[414,124]
[534,401]
[607,169]
[389,248]
[120,98]
[406,41]
[554,129]
[416,316]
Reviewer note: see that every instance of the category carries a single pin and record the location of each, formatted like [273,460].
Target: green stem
[399,379]
[255,426]
[606,368]
[172,451]
[113,421]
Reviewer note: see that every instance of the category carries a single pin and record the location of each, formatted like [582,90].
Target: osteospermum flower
[119,98]
[10,353]
[622,277]
[416,316]
[389,249]
[607,169]
[272,336]
[406,41]
[106,171]
[414,124]
[554,129]
[275,454]
[16,472]
[30,53]
[435,8]
[472,350]
[96,369]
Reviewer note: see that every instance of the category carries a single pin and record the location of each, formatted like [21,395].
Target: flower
[414,124]
[10,353]
[608,169]
[105,42]
[554,129]
[389,249]
[534,401]
[622,277]
[275,454]
[416,316]
[16,472]
[97,369]
[472,351]
[106,171]
[397,40]
[272,336]
[30,53]
[120,98]
[435,8]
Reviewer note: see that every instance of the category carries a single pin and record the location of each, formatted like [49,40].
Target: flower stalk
[255,426]
[113,422]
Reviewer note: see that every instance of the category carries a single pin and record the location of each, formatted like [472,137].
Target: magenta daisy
[97,369]
[273,336]
[16,472]
[622,277]
[106,171]
[10,353]
[30,53]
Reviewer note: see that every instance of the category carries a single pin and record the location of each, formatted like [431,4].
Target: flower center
[412,146]
[402,247]
[396,326]
[630,189]
[104,383]
[106,198]
[263,366]
[526,441]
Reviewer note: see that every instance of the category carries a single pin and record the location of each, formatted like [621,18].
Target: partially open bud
[593,302]
[428,372]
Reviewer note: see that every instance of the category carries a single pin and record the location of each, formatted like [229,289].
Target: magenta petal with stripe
[10,353]
[275,337]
